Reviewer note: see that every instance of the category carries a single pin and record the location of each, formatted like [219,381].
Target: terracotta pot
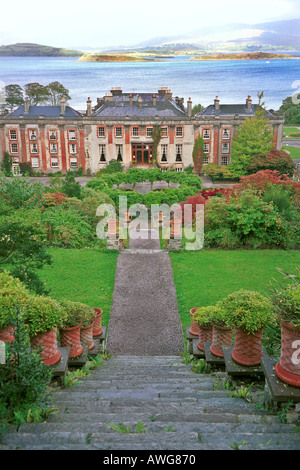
[70,337]
[205,336]
[86,336]
[221,337]
[194,330]
[97,326]
[247,348]
[288,367]
[175,227]
[112,227]
[48,341]
[7,334]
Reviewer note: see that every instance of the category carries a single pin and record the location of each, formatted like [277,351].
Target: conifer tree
[252,138]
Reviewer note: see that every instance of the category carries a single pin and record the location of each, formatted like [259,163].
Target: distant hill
[245,56]
[27,49]
[281,35]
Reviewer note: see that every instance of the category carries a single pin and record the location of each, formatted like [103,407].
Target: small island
[112,58]
[245,56]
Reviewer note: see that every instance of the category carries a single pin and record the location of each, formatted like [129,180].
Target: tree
[13,96]
[23,252]
[291,111]
[156,137]
[252,138]
[70,187]
[6,164]
[56,91]
[198,154]
[197,108]
[37,93]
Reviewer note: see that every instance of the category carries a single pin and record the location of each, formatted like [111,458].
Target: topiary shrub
[42,314]
[247,310]
[13,295]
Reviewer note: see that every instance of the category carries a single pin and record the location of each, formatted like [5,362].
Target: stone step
[151,440]
[192,393]
[156,427]
[164,416]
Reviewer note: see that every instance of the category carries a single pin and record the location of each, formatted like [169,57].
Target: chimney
[89,107]
[116,91]
[217,104]
[168,95]
[249,103]
[140,102]
[154,99]
[63,105]
[189,108]
[130,99]
[26,105]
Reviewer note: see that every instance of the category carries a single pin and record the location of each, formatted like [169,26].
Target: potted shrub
[202,317]
[87,315]
[222,334]
[287,306]
[194,329]
[13,294]
[69,331]
[43,316]
[97,325]
[247,312]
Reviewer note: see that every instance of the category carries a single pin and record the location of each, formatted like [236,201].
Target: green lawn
[294,151]
[82,275]
[288,130]
[205,277]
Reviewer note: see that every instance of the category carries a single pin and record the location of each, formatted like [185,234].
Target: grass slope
[205,277]
[82,275]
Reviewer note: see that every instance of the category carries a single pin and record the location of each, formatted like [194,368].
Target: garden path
[144,318]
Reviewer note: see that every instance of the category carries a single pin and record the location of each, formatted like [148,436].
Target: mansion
[119,126]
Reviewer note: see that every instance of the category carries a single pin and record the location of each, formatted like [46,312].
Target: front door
[142,154]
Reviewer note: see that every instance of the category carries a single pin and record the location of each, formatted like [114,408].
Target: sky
[94,23]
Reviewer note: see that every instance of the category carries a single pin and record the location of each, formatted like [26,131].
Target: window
[206,147]
[54,162]
[226,133]
[35,162]
[225,147]
[13,134]
[53,147]
[164,132]
[33,148]
[179,131]
[32,134]
[135,132]
[206,134]
[72,134]
[72,148]
[179,168]
[119,131]
[205,160]
[52,134]
[149,131]
[15,160]
[102,153]
[164,153]
[101,131]
[179,153]
[224,161]
[119,153]
[73,162]
[14,148]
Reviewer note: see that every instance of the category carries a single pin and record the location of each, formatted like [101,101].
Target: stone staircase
[176,410]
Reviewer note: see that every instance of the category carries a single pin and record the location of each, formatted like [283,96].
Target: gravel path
[144,318]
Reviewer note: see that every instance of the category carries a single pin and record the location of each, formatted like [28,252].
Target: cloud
[68,23]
